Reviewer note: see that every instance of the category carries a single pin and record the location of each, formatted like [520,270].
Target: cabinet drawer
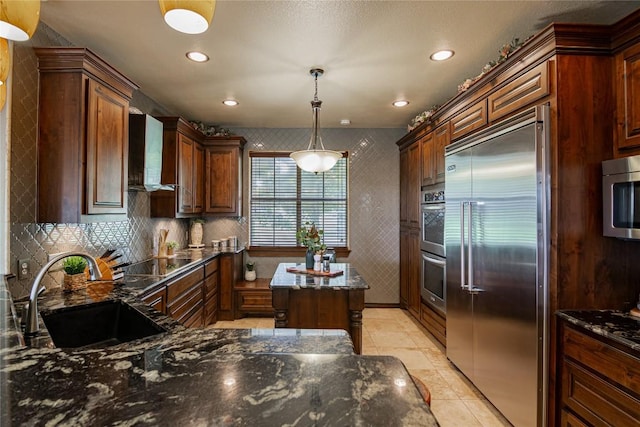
[210,286]
[620,367]
[157,299]
[434,323]
[187,304]
[567,419]
[255,301]
[194,320]
[597,401]
[181,284]
[469,120]
[211,310]
[532,85]
[211,267]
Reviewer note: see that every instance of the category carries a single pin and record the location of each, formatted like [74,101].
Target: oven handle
[432,206]
[434,261]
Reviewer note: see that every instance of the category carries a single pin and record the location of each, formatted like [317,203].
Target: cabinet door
[198,178]
[428,159]
[157,299]
[413,185]
[107,151]
[185,174]
[404,179]
[404,268]
[628,98]
[222,181]
[414,262]
[441,140]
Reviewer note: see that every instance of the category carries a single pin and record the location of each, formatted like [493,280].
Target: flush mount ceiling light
[188,16]
[315,159]
[19,19]
[230,102]
[441,55]
[197,56]
[400,103]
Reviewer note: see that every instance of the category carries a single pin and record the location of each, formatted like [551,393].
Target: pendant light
[5,64]
[188,16]
[315,158]
[19,19]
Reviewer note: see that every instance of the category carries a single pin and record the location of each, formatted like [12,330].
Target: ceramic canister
[215,244]
[224,243]
[233,241]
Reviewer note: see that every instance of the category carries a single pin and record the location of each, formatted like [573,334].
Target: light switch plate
[24,268]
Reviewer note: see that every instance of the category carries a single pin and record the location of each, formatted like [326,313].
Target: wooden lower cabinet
[185,298]
[434,322]
[253,298]
[230,273]
[211,291]
[599,381]
[157,299]
[320,309]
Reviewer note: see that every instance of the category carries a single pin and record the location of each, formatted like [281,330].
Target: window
[283,198]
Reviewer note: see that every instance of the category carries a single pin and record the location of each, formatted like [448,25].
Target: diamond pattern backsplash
[373,194]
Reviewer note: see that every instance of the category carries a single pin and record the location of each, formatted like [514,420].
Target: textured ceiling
[373,53]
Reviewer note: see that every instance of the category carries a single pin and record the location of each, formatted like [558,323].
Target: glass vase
[309,260]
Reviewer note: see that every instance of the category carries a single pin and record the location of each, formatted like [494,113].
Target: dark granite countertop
[349,280]
[613,324]
[256,377]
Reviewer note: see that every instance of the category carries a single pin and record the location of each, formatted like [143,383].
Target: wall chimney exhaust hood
[145,154]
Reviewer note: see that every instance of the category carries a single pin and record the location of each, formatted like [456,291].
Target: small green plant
[311,237]
[250,265]
[197,221]
[74,265]
[172,244]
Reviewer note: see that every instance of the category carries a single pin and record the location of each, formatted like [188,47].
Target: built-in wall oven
[433,274]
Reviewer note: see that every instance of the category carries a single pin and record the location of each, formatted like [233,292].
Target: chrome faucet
[31,326]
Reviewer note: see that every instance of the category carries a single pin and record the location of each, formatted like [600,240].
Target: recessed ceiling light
[345,122]
[441,55]
[400,103]
[230,102]
[197,56]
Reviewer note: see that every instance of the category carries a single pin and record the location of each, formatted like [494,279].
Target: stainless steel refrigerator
[496,237]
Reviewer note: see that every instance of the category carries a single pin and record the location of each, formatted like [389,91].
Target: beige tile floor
[454,400]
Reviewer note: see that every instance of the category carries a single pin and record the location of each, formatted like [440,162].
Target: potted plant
[171,246]
[74,277]
[250,273]
[311,237]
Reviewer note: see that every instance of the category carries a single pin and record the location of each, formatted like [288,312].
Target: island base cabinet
[320,309]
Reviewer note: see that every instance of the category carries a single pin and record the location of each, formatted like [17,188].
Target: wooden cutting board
[302,270]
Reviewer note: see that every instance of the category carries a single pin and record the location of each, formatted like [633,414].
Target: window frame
[293,251]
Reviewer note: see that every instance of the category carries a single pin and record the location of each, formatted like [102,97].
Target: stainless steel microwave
[621,197]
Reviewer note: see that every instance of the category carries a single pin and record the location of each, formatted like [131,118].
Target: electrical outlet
[24,268]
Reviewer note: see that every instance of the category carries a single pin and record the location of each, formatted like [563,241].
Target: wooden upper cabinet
[182,166]
[469,120]
[185,174]
[519,92]
[627,78]
[442,138]
[428,159]
[83,134]
[223,175]
[198,178]
[410,180]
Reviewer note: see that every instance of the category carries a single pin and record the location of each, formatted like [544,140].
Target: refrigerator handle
[470,250]
[463,275]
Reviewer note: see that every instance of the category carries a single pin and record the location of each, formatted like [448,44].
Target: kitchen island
[313,301]
[196,376]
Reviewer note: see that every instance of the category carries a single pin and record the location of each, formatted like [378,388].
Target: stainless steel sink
[97,325]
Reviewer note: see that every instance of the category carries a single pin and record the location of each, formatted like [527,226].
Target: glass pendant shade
[315,159]
[3,96]
[5,61]
[19,19]
[188,16]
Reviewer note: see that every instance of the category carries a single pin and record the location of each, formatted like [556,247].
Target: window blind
[284,197]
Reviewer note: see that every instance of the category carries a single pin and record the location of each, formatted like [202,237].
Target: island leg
[356,305]
[280,298]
